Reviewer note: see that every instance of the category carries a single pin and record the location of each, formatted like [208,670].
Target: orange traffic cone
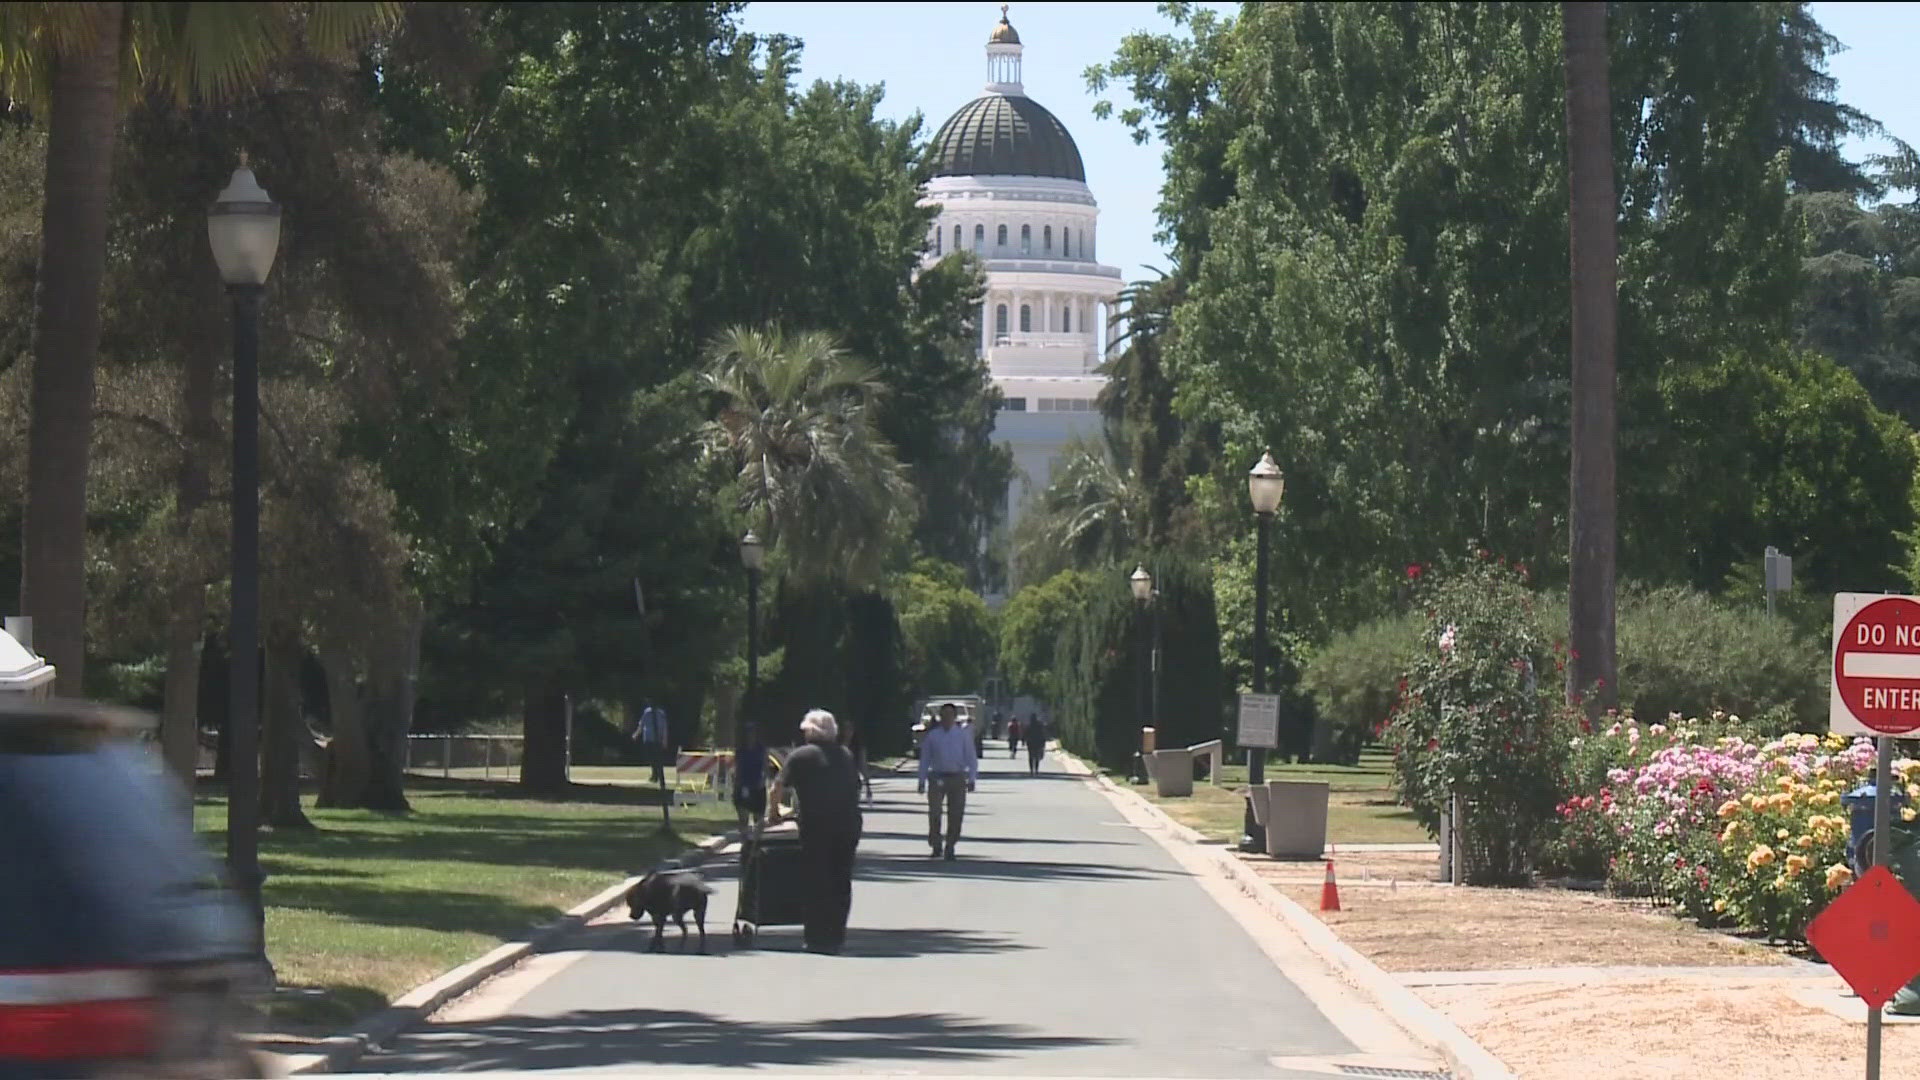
[1330,892]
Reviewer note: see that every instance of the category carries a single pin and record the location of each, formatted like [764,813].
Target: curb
[340,1051]
[1464,1058]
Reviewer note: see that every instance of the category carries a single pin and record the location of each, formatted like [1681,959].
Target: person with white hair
[825,778]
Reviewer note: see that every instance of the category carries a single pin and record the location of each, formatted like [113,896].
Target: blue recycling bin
[1859,804]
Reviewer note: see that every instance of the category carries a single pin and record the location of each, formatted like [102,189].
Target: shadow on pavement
[921,838]
[649,1037]
[875,944]
[899,867]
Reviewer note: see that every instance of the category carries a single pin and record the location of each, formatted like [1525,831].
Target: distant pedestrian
[750,782]
[653,734]
[949,767]
[1013,737]
[1036,736]
[822,774]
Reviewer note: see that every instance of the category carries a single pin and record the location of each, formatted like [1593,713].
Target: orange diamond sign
[1871,936]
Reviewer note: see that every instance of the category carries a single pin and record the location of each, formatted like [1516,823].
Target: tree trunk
[543,768]
[73,251]
[180,715]
[1591,223]
[285,737]
[350,752]
[393,673]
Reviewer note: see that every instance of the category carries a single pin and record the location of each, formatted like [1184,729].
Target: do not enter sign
[1876,664]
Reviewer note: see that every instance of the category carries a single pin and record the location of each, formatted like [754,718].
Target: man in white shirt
[949,767]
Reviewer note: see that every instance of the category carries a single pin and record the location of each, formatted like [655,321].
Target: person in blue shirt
[750,782]
[949,767]
[653,734]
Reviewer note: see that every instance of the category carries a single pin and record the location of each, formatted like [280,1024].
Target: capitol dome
[1010,192]
[1005,135]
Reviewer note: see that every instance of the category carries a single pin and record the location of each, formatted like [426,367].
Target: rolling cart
[771,887]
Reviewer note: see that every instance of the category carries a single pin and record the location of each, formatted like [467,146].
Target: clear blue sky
[931,59]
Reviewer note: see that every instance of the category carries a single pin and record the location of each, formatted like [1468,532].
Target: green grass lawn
[1361,808]
[368,905]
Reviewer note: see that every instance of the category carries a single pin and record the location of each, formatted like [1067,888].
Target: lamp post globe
[1142,583]
[1265,485]
[753,553]
[243,228]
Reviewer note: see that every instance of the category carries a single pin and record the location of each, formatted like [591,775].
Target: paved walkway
[1063,942]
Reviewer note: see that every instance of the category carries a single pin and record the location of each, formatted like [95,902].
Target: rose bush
[1478,720]
[1730,830]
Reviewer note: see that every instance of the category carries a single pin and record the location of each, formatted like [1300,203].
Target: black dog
[671,895]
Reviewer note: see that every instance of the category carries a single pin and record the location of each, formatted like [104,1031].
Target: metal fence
[486,757]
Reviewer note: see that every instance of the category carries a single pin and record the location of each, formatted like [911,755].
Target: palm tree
[1590,226]
[74,64]
[796,416]
[1092,512]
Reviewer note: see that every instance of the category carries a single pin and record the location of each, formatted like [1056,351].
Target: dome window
[1000,321]
[956,238]
[1001,239]
[1026,239]
[1066,320]
[1026,319]
[979,237]
[1046,239]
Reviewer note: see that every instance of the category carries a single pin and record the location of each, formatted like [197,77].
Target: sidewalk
[1536,975]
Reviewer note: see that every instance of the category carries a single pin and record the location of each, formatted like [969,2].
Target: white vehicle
[971,707]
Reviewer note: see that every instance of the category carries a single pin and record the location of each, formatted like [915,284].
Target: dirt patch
[1356,867]
[1467,929]
[1681,1029]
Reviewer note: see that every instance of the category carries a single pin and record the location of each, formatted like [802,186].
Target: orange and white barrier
[700,776]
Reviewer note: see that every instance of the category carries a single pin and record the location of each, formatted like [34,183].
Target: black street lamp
[243,226]
[1265,485]
[1144,597]
[753,556]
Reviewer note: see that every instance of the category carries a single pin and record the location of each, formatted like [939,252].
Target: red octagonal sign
[1876,664]
[1871,936]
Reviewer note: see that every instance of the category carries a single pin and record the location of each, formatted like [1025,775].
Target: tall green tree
[73,61]
[1344,181]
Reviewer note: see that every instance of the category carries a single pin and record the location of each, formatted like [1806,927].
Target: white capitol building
[1011,189]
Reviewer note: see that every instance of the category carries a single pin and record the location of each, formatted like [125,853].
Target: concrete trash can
[1172,772]
[1296,818]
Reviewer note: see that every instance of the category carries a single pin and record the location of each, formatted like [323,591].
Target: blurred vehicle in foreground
[121,954]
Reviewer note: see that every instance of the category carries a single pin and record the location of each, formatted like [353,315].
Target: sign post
[1259,721]
[1875,692]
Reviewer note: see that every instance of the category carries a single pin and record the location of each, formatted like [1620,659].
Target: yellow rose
[1782,801]
[1837,876]
[1804,842]
[1731,833]
[1782,883]
[1755,802]
[1796,863]
[1784,783]
[1759,856]
[1729,808]
[1719,905]
[1781,834]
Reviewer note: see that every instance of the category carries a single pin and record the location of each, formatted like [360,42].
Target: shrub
[1354,682]
[1682,651]
[1480,721]
[1098,665]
